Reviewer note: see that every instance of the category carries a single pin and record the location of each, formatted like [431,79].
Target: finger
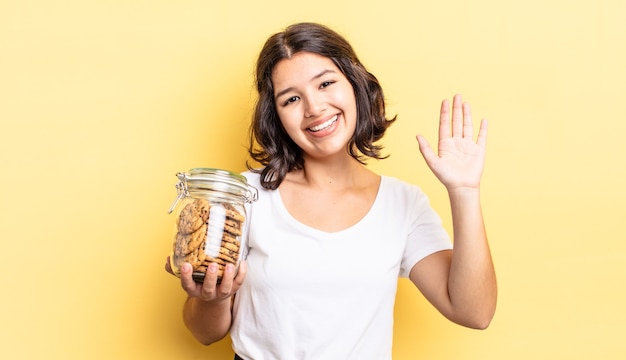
[226,285]
[427,152]
[444,120]
[241,274]
[209,283]
[482,133]
[186,279]
[457,116]
[468,130]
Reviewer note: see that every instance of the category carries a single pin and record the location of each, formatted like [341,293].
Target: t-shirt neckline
[307,228]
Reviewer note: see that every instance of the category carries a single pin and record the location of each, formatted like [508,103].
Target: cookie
[230,246]
[192,258]
[228,238]
[232,223]
[180,245]
[193,215]
[215,260]
[233,214]
[187,243]
[227,257]
[197,238]
[232,230]
[202,255]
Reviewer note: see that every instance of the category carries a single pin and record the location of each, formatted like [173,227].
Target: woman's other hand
[459,160]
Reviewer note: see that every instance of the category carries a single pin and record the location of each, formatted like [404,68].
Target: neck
[339,174]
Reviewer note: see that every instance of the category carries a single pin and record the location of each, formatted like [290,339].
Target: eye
[290,100]
[326,84]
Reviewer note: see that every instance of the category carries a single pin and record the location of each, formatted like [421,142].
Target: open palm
[459,160]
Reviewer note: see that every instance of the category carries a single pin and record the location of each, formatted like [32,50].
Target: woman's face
[315,103]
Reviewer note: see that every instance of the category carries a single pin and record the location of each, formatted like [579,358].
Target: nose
[314,105]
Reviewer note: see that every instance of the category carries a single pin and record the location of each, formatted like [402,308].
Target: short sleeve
[426,232]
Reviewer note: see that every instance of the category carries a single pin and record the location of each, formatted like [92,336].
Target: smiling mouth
[323,125]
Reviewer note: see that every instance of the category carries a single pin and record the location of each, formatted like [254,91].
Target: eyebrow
[324,72]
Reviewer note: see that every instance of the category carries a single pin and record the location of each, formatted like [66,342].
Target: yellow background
[102,102]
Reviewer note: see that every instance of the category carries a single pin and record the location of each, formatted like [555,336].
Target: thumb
[427,152]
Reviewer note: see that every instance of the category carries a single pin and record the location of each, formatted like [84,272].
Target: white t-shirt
[310,294]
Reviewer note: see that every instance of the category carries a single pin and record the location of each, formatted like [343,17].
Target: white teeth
[324,125]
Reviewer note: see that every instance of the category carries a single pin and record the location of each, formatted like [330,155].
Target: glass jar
[211,220]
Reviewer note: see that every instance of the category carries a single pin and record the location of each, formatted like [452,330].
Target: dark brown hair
[269,143]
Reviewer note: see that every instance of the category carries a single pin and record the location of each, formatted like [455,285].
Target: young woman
[329,237]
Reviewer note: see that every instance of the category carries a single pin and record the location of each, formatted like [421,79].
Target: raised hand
[459,160]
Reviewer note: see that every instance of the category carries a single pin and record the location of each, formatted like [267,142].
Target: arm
[460,283]
[207,310]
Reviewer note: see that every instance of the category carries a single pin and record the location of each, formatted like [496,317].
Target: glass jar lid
[200,180]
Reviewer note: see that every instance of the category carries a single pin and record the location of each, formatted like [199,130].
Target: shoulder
[396,193]
[394,186]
